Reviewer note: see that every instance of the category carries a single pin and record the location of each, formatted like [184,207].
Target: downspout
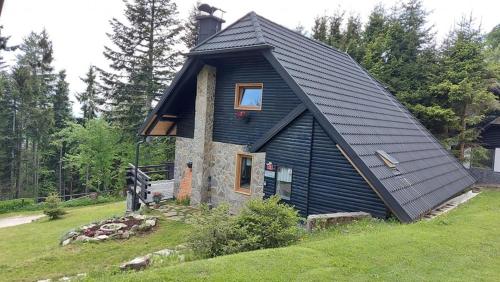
[136,169]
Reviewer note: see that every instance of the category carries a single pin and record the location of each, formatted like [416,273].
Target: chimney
[208,24]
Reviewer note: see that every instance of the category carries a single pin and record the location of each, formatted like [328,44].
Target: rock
[151,222]
[170,214]
[45,280]
[112,227]
[66,242]
[82,238]
[137,264]
[139,216]
[65,278]
[125,235]
[102,237]
[134,228]
[144,227]
[165,252]
[325,220]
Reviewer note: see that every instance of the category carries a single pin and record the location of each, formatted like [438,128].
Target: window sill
[243,108]
[243,191]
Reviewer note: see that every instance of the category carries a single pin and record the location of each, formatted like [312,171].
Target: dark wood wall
[323,180]
[277,99]
[490,138]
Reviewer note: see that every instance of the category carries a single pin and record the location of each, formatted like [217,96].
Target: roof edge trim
[277,128]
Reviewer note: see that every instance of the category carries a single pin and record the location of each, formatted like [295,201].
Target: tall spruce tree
[34,83]
[90,99]
[143,60]
[61,103]
[334,30]
[320,29]
[462,85]
[191,27]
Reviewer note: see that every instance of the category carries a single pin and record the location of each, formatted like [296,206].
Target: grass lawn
[31,251]
[463,245]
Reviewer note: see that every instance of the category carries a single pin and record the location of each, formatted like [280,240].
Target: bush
[268,224]
[216,233]
[52,207]
[185,201]
[17,205]
[261,224]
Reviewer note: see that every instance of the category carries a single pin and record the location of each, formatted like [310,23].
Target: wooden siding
[490,138]
[335,185]
[292,148]
[277,99]
[185,109]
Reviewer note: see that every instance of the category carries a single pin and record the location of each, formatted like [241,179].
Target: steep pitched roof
[357,113]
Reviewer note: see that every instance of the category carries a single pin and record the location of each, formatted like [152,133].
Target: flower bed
[113,228]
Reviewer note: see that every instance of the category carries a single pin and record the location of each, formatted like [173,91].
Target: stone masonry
[203,127]
[223,175]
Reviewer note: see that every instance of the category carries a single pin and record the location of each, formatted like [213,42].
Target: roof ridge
[303,36]
[220,31]
[256,25]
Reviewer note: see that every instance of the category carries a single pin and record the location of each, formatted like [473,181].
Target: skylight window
[389,160]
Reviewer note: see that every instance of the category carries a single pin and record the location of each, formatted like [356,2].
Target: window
[248,96]
[243,173]
[284,183]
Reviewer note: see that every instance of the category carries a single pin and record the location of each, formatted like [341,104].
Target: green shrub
[53,207]
[268,224]
[185,201]
[261,224]
[28,204]
[215,233]
[87,201]
[17,205]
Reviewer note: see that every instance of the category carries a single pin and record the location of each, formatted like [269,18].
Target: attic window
[389,161]
[248,96]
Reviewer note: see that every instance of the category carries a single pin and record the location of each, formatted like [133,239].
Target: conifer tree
[191,27]
[90,99]
[320,29]
[462,86]
[61,103]
[143,60]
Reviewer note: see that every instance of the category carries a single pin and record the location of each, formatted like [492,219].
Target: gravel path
[18,220]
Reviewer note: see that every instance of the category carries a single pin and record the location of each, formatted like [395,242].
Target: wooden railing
[146,174]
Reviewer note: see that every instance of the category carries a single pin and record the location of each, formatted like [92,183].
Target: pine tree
[462,86]
[61,103]
[143,60]
[34,83]
[334,32]
[191,27]
[90,99]
[351,38]
[320,29]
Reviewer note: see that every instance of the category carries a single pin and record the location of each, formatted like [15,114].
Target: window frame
[238,94]
[237,181]
[276,183]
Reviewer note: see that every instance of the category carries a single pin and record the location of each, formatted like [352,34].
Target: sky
[78,27]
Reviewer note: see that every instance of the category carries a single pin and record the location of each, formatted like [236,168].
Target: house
[258,110]
[487,172]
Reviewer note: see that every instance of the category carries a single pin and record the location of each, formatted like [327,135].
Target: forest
[451,85]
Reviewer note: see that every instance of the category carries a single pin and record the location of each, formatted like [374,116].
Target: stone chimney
[208,24]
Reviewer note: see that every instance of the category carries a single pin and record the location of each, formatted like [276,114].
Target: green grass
[463,245]
[31,251]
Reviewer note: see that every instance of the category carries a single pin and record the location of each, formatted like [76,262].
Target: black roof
[357,112]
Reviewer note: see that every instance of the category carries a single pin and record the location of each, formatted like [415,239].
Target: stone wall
[183,155]
[203,129]
[223,175]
